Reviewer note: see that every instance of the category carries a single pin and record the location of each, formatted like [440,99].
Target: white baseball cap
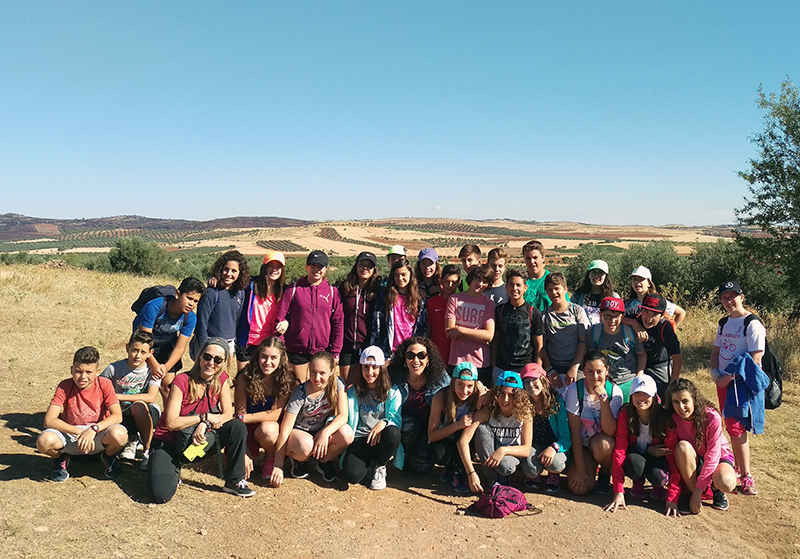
[643,272]
[644,383]
[373,355]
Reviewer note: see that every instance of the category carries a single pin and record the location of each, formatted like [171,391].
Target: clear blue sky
[602,112]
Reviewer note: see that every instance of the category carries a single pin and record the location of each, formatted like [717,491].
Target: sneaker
[378,479]
[145,460]
[659,493]
[60,466]
[720,499]
[748,485]
[683,503]
[533,482]
[240,489]
[553,484]
[269,465]
[328,472]
[460,483]
[446,476]
[111,465]
[603,486]
[637,491]
[299,469]
[129,451]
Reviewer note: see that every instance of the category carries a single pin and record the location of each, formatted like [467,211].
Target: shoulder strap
[580,397]
[596,339]
[748,319]
[625,338]
[722,322]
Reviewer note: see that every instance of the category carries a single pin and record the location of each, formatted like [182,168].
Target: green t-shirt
[536,295]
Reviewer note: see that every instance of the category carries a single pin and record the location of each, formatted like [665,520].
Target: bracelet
[472,472]
[208,425]
[240,417]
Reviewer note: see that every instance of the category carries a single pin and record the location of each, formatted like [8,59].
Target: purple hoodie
[316,322]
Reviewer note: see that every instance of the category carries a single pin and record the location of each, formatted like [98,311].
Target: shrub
[135,256]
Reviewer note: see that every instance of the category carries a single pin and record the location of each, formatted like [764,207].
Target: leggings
[416,449]
[654,468]
[445,452]
[164,472]
[360,454]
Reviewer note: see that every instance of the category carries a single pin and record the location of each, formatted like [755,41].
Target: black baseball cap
[367,256]
[730,285]
[654,302]
[317,257]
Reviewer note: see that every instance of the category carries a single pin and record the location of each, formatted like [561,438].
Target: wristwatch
[94,428]
[556,446]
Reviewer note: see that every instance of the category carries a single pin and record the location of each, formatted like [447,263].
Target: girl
[551,436]
[641,285]
[310,316]
[199,412]
[639,451]
[314,423]
[596,287]
[419,373]
[259,316]
[220,306]
[400,312]
[593,405]
[260,394]
[699,453]
[504,431]
[428,273]
[374,417]
[358,292]
[735,338]
[469,323]
[452,410]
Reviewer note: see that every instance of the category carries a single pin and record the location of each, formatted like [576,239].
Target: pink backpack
[501,500]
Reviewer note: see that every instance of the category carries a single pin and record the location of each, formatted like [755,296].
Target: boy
[470,256]
[565,326]
[497,290]
[518,337]
[137,391]
[90,419]
[536,295]
[451,277]
[171,321]
[663,350]
[395,253]
[625,354]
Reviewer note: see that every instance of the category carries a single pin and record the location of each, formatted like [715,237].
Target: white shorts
[69,441]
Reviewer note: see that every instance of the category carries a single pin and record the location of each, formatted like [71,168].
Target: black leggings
[445,452]
[654,468]
[416,449]
[360,454]
[164,472]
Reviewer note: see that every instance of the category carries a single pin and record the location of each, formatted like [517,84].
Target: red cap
[612,304]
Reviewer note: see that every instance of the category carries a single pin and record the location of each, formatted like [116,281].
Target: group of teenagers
[499,376]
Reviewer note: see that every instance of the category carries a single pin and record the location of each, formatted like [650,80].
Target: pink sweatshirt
[714,447]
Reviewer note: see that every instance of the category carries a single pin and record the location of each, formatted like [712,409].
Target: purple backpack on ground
[501,500]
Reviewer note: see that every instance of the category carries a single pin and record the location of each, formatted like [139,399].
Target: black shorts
[130,423]
[349,357]
[245,354]
[298,358]
[163,354]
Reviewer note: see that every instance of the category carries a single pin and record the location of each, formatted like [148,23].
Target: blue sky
[601,112]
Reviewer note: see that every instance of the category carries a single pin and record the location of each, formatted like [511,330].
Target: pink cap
[532,370]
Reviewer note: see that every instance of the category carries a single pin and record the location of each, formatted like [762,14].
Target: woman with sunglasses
[419,373]
[199,412]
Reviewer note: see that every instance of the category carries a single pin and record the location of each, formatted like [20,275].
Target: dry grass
[47,314]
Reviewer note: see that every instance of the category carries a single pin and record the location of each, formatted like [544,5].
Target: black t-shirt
[515,330]
[543,431]
[661,343]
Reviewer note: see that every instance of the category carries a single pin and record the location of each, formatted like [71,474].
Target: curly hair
[435,372]
[700,420]
[550,404]
[244,270]
[281,381]
[521,401]
[381,391]
[451,402]
[607,289]
[391,293]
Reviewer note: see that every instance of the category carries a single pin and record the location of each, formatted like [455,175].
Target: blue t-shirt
[155,315]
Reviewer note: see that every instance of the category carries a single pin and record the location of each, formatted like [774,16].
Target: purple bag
[501,500]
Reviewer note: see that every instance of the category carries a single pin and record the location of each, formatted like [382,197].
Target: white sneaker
[129,452]
[145,460]
[378,479]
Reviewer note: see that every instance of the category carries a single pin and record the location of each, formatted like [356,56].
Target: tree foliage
[134,255]
[774,183]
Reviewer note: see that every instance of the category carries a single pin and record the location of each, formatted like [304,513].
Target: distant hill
[15,227]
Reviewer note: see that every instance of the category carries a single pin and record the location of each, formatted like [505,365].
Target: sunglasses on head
[218,359]
[410,355]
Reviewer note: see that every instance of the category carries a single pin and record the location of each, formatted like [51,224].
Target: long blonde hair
[332,388]
[196,382]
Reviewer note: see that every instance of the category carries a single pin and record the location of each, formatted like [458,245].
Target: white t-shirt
[590,416]
[732,342]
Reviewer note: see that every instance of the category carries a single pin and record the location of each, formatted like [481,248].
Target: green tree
[774,183]
[134,255]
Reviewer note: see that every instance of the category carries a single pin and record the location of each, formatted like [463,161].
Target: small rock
[41,529]
[202,532]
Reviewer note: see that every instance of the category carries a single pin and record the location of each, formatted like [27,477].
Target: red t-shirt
[203,405]
[436,308]
[87,406]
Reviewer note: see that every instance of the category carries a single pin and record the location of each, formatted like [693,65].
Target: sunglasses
[217,359]
[410,355]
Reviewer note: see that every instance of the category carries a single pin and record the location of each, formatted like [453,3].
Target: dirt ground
[89,516]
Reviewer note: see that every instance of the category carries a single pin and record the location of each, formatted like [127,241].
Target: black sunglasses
[218,359]
[410,355]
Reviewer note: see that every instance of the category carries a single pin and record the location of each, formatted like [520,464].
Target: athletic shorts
[70,446]
[298,358]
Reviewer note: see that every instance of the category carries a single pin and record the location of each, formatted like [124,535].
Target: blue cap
[509,378]
[465,371]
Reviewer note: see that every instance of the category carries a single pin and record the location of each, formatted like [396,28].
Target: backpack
[609,391]
[150,293]
[597,331]
[501,500]
[770,364]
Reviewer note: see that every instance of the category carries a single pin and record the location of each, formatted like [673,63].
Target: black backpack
[150,293]
[770,364]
